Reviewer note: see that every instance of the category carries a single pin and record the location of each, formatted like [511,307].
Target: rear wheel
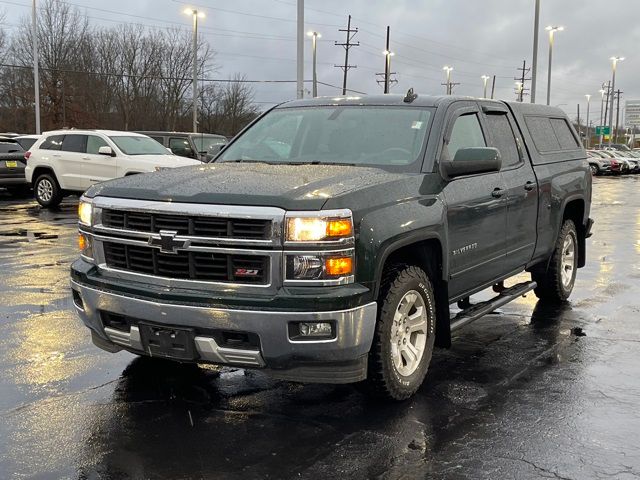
[47,191]
[594,169]
[556,283]
[18,191]
[405,333]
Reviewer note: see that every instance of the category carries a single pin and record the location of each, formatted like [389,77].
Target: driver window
[466,133]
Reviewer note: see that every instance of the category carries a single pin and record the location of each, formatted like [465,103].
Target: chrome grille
[188,265]
[198,226]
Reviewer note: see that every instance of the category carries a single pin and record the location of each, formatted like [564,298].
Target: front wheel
[594,169]
[556,283]
[47,191]
[405,333]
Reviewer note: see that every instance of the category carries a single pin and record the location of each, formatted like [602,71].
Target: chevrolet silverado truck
[327,241]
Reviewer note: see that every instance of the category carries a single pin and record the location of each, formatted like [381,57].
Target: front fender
[394,226]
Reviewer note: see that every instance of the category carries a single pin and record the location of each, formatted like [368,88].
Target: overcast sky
[475,37]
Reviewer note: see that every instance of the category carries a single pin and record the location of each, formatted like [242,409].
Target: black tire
[384,379]
[551,286]
[594,169]
[47,191]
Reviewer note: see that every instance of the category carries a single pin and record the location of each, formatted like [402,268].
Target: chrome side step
[479,310]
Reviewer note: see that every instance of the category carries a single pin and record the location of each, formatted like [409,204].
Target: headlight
[317,228]
[322,266]
[85,212]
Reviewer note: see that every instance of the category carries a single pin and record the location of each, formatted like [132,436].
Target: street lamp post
[387,69]
[36,73]
[588,140]
[534,66]
[614,65]
[195,14]
[602,92]
[552,30]
[485,79]
[448,70]
[314,43]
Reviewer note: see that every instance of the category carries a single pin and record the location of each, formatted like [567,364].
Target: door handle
[498,192]
[529,186]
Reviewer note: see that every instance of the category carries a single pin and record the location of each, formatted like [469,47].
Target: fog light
[317,329]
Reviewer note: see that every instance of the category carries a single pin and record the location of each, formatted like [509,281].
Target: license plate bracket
[168,342]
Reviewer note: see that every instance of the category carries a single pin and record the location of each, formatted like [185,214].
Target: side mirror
[106,151]
[469,161]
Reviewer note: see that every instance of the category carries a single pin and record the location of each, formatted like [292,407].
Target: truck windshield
[360,135]
[131,145]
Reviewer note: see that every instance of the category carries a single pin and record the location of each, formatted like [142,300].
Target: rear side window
[503,139]
[181,147]
[94,143]
[160,140]
[551,134]
[466,133]
[74,143]
[54,142]
[563,133]
[10,148]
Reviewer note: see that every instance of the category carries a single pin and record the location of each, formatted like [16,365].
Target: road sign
[602,130]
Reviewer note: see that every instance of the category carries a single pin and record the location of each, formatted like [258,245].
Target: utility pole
[350,32]
[522,79]
[534,65]
[485,79]
[493,87]
[618,94]
[195,71]
[300,50]
[36,73]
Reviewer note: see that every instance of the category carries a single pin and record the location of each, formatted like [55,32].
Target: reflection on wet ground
[532,391]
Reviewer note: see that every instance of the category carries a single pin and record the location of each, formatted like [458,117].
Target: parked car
[625,166]
[12,166]
[201,146]
[64,162]
[327,241]
[27,141]
[599,164]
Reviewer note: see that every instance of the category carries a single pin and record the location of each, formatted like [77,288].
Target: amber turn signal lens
[339,266]
[339,228]
[82,242]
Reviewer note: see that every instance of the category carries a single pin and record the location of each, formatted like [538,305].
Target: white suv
[63,162]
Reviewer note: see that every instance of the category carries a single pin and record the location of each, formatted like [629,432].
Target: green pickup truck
[328,240]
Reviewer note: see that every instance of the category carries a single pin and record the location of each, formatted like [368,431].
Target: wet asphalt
[531,391]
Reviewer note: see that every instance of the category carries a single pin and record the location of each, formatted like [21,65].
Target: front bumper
[338,360]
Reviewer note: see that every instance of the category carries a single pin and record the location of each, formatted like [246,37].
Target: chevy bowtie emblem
[167,242]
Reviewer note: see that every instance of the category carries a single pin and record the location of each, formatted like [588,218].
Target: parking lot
[527,392]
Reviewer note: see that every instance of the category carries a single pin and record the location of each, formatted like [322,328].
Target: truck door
[476,209]
[522,194]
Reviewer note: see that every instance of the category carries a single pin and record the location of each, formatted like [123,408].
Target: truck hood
[169,161]
[291,187]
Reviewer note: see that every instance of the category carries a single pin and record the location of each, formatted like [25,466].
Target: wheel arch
[427,251]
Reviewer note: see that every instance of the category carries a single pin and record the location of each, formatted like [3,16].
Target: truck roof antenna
[410,96]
